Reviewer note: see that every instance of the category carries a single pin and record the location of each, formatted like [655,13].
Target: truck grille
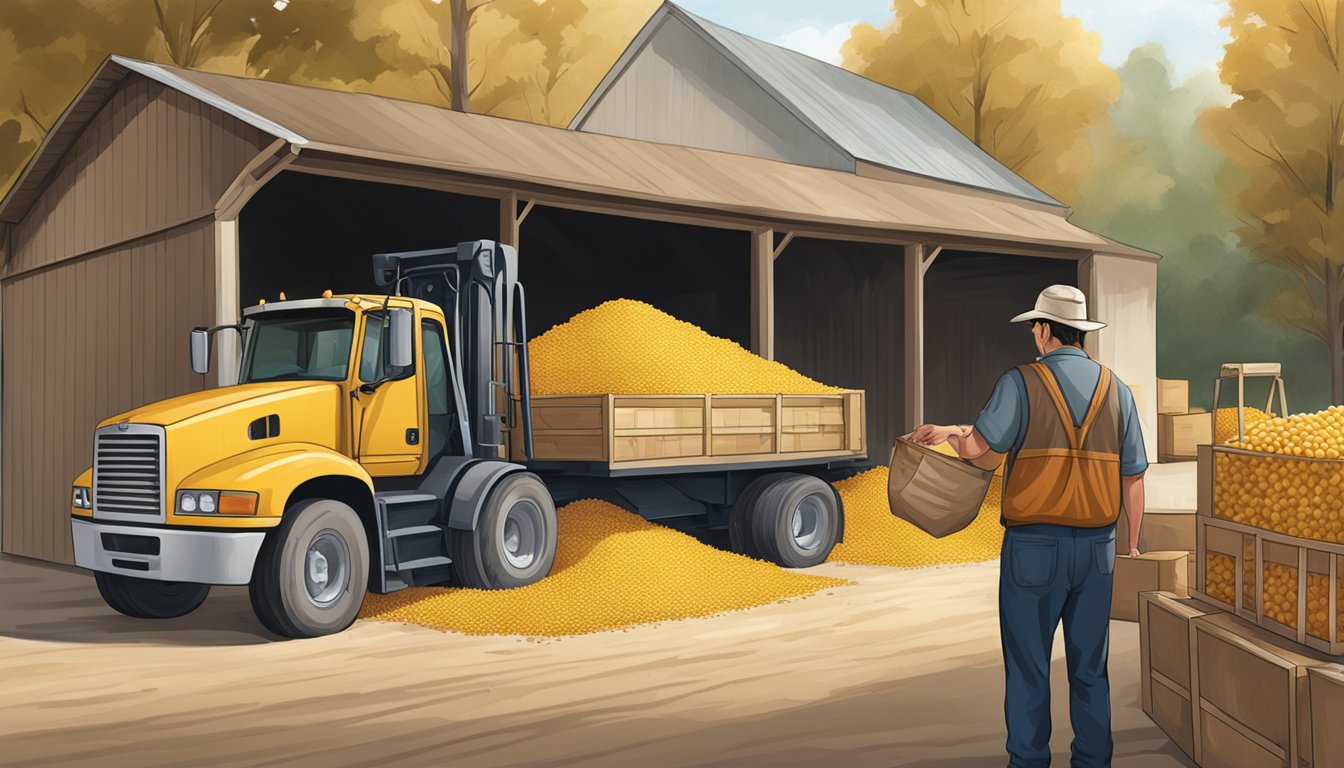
[128,471]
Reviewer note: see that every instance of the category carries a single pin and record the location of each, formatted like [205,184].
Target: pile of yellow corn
[1220,580]
[1225,422]
[874,536]
[629,347]
[1280,492]
[612,569]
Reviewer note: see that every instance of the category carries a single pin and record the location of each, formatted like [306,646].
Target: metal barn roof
[490,149]
[862,118]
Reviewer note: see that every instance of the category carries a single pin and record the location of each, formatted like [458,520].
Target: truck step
[414,530]
[424,562]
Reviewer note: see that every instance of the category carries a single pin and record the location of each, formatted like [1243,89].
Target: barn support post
[918,258]
[511,219]
[763,292]
[226,300]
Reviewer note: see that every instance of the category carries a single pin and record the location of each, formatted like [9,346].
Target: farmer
[1075,452]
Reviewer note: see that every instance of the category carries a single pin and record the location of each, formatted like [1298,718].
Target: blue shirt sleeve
[1002,418]
[1133,456]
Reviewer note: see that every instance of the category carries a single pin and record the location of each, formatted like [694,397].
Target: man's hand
[1133,551]
[933,434]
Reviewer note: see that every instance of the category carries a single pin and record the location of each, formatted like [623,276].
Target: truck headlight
[216,503]
[81,497]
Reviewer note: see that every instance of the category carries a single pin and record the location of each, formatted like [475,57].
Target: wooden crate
[1268,566]
[1217,540]
[1164,659]
[1326,684]
[649,431]
[1250,692]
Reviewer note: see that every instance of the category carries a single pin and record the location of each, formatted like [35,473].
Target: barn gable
[689,81]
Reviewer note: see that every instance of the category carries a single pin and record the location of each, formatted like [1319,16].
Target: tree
[1019,79]
[1283,138]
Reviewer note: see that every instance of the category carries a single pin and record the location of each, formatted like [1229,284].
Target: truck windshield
[298,345]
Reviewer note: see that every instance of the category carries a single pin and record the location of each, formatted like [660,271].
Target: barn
[811,215]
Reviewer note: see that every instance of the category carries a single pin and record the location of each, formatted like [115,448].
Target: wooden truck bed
[652,431]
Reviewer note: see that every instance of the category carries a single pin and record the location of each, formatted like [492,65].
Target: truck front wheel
[312,571]
[795,521]
[149,599]
[514,542]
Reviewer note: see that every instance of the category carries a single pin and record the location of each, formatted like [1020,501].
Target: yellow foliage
[629,347]
[874,536]
[1020,79]
[612,569]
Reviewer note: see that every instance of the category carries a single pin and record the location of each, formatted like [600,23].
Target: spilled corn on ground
[876,537]
[631,348]
[612,569]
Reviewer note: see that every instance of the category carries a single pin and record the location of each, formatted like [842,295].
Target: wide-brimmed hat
[1062,304]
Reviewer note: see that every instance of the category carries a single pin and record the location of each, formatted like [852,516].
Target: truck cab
[344,460]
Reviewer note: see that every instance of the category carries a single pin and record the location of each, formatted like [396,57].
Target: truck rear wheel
[740,538]
[513,544]
[312,571]
[795,521]
[147,598]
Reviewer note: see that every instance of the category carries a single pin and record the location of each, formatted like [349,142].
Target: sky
[1188,29]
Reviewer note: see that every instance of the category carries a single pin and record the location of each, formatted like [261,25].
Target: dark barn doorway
[968,342]
[840,319]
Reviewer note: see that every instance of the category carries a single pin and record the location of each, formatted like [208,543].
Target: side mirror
[399,339]
[200,350]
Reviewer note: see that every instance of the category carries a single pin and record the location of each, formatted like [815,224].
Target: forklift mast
[476,284]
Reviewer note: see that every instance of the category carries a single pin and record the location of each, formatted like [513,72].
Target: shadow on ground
[39,601]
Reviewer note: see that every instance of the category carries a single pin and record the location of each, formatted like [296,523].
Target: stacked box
[1149,572]
[1164,657]
[1326,684]
[1250,695]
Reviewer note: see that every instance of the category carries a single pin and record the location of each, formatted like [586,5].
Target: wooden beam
[788,238]
[927,261]
[526,210]
[763,293]
[914,336]
[508,219]
[226,300]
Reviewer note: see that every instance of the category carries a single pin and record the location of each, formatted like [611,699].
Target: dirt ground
[901,669]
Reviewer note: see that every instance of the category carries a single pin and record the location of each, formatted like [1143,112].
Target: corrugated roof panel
[867,119]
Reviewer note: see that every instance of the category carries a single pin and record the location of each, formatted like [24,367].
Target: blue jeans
[1051,573]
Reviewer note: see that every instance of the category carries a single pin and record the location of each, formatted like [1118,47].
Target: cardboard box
[1161,530]
[1173,396]
[1327,714]
[1251,698]
[1149,572]
[1179,435]
[1164,659]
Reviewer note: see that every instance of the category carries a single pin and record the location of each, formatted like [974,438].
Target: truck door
[391,438]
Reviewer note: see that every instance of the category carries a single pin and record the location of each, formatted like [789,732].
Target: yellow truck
[375,442]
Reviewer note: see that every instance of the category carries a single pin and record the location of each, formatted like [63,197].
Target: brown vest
[1063,474]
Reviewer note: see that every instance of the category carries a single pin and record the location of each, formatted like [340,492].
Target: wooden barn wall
[86,340]
[969,299]
[151,158]
[679,90]
[840,319]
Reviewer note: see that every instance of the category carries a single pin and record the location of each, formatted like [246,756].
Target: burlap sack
[938,494]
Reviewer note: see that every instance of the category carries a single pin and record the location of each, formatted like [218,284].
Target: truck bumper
[163,554]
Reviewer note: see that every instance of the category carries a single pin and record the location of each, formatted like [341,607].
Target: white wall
[1122,292]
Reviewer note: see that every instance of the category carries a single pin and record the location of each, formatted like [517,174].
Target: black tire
[312,571]
[795,522]
[150,599]
[513,544]
[740,538]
